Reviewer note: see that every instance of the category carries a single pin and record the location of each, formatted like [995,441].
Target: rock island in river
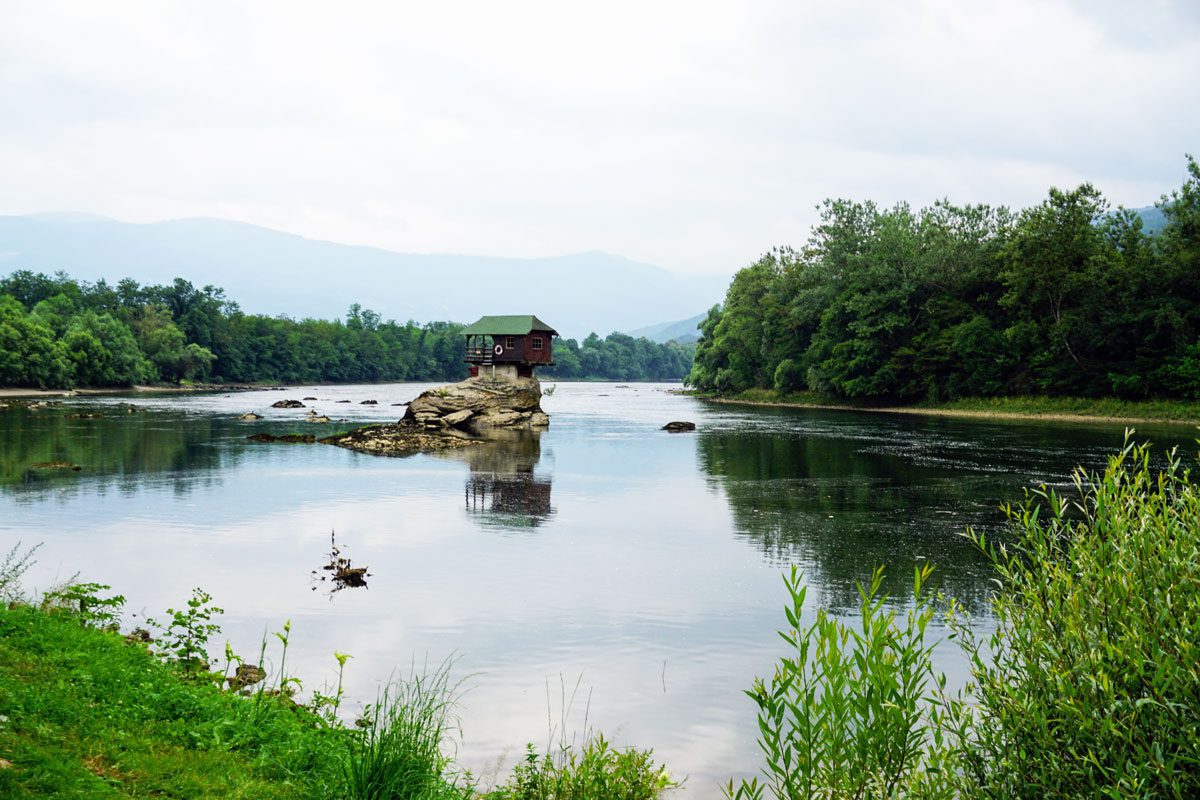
[453,416]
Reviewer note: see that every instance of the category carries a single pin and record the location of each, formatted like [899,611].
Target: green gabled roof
[512,325]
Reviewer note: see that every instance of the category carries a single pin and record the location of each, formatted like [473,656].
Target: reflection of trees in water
[119,449]
[839,510]
[502,488]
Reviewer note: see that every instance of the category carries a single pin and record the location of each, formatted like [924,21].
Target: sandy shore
[25,392]
[966,413]
[33,393]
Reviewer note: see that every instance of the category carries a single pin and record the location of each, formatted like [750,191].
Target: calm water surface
[642,566]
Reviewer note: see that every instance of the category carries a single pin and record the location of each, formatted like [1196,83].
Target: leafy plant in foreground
[185,637]
[597,770]
[853,712]
[328,705]
[84,601]
[1090,685]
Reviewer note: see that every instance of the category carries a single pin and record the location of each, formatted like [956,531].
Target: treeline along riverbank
[1064,299]
[57,332]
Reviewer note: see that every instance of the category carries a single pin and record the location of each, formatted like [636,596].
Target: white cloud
[687,134]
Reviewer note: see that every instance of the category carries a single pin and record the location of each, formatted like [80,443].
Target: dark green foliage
[619,357]
[1064,299]
[30,355]
[56,332]
[103,351]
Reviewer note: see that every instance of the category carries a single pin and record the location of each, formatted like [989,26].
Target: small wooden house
[509,346]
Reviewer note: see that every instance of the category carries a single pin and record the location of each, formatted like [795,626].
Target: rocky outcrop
[400,439]
[287,438]
[679,426]
[480,404]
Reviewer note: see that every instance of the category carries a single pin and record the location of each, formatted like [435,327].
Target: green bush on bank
[1020,406]
[1089,686]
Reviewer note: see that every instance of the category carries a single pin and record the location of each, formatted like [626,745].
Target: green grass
[84,713]
[1148,410]
[401,754]
[596,770]
[92,716]
[1167,410]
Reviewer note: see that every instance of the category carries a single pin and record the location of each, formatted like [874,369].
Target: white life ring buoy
[498,350]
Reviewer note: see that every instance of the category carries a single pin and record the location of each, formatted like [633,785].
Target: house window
[536,343]
[509,342]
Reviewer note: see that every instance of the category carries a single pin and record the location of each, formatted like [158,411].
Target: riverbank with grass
[89,714]
[1056,409]
[86,712]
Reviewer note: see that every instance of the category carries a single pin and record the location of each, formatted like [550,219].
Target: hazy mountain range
[272,272]
[683,331]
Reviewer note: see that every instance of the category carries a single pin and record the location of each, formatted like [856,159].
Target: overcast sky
[690,135]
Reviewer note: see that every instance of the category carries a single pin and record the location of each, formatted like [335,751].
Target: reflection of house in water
[502,489]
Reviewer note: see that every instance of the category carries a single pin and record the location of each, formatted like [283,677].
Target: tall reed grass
[404,750]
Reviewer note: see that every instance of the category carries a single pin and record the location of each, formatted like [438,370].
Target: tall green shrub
[1090,685]
[853,712]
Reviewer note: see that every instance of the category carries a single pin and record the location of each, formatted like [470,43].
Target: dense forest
[1065,298]
[56,332]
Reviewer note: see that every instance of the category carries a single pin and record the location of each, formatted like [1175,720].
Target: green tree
[103,351]
[1053,273]
[30,355]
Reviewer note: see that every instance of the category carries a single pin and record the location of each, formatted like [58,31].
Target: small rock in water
[343,401]
[249,417]
[308,398]
[679,426]
[369,403]
[287,438]
[56,465]
[287,404]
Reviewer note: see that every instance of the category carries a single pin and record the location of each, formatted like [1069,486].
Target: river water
[605,574]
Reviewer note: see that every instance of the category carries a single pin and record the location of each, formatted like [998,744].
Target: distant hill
[1153,219]
[683,331]
[272,272]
